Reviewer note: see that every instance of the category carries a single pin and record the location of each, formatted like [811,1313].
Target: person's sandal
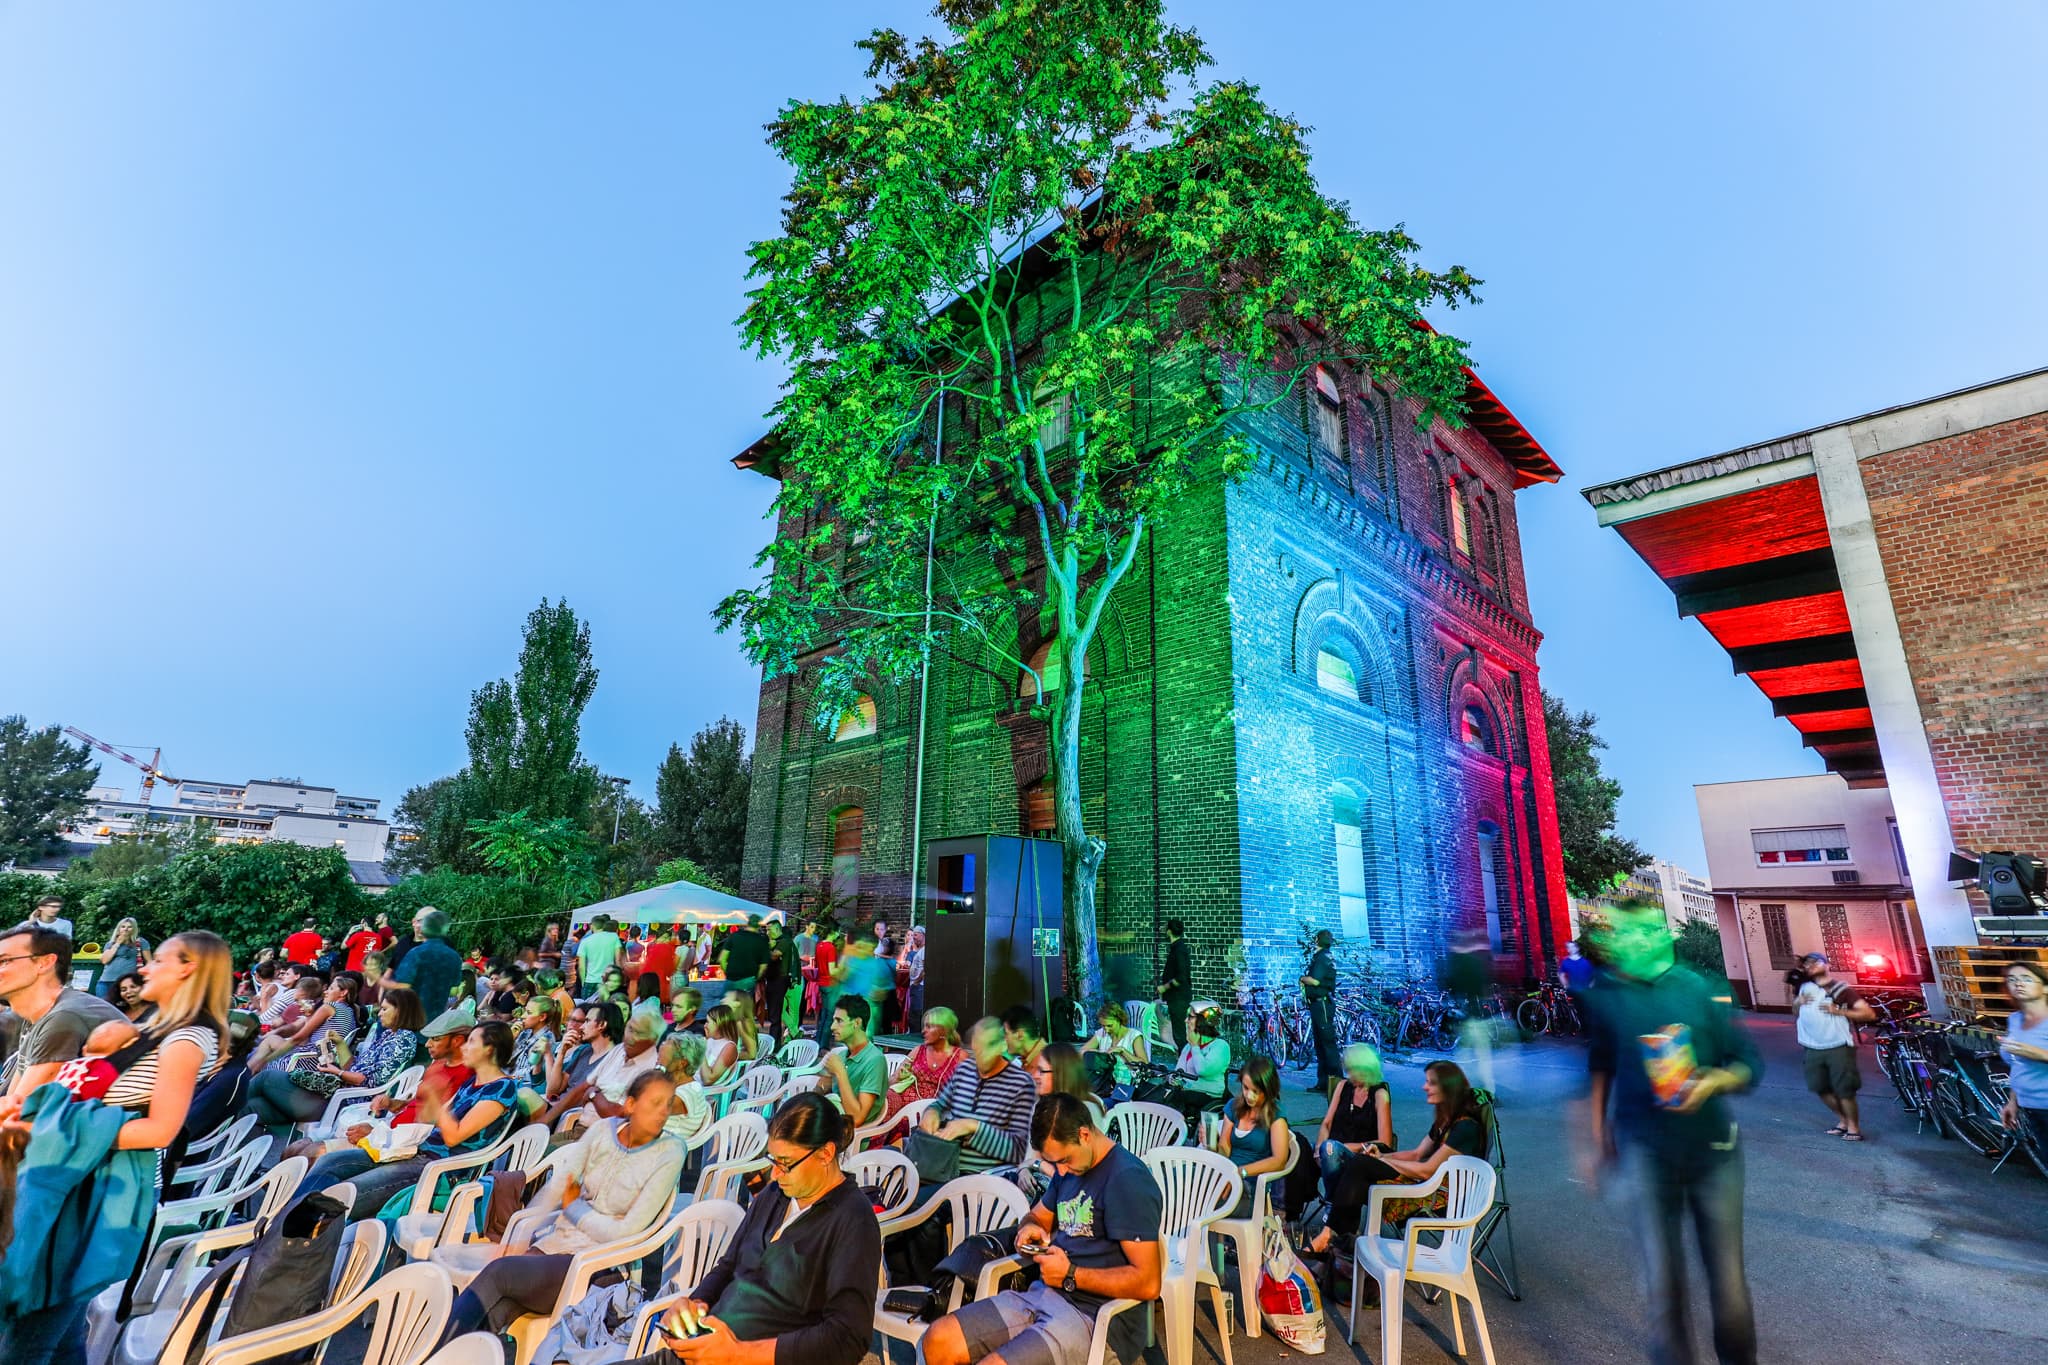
[1837,1131]
[1852,1137]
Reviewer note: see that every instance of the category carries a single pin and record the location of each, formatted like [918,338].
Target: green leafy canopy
[1175,232]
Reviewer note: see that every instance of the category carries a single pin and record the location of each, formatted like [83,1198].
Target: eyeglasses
[785,1167]
[23,957]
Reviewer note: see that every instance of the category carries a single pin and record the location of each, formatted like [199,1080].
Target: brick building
[1884,580]
[1313,704]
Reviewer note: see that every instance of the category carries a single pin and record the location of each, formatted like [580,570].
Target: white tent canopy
[675,903]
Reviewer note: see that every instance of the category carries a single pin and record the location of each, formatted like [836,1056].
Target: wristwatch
[1067,1285]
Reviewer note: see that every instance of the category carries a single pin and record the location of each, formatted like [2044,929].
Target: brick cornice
[1400,550]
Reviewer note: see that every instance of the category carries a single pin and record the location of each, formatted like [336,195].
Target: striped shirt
[1001,1104]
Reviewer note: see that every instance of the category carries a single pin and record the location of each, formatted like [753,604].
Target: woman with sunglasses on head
[797,1281]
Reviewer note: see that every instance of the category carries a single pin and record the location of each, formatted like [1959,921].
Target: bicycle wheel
[1533,1016]
[1954,1108]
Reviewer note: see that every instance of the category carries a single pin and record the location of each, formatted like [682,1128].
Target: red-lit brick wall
[1962,523]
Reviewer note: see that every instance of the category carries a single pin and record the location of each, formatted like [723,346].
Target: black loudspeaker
[994,920]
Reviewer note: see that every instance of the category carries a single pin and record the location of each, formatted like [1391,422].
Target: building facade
[1808,865]
[1685,896]
[1884,581]
[252,812]
[1313,703]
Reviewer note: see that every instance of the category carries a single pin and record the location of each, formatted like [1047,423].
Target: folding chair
[1496,1262]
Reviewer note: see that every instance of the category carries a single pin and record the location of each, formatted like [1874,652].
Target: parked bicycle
[1951,1075]
[1550,1008]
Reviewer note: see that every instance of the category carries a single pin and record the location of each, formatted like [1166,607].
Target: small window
[857,721]
[1777,936]
[845,833]
[1354,910]
[1054,412]
[1461,520]
[1813,844]
[1326,418]
[1473,731]
[1045,663]
[1041,821]
[1335,674]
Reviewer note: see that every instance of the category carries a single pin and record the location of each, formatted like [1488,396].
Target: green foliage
[43,781]
[1595,859]
[684,870]
[19,892]
[495,914]
[522,736]
[1698,946]
[551,855]
[158,843]
[249,894]
[702,796]
[1044,232]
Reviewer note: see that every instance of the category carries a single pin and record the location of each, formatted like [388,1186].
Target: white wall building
[252,812]
[1802,865]
[1685,895]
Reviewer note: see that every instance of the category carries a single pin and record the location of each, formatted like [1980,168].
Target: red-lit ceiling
[1748,529]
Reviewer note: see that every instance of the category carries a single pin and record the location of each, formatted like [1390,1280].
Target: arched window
[1045,663]
[1040,820]
[1491,869]
[1461,518]
[857,721]
[1348,833]
[1474,731]
[846,831]
[1326,425]
[1336,674]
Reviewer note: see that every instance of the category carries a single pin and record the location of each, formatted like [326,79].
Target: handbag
[285,1275]
[937,1159]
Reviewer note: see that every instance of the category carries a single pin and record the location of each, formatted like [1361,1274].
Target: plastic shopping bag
[1288,1297]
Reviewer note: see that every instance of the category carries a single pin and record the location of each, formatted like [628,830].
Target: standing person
[910,971]
[1093,1235]
[190,980]
[1665,1053]
[1468,977]
[1829,1011]
[2026,1043]
[360,943]
[431,968]
[123,954]
[381,927]
[304,946]
[775,978]
[49,913]
[550,955]
[659,957]
[1319,988]
[743,956]
[830,978]
[1176,981]
[35,962]
[807,941]
[1575,972]
[598,952]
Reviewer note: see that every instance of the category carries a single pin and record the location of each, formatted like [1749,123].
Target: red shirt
[385,937]
[824,956]
[303,947]
[660,958]
[449,1078]
[358,944]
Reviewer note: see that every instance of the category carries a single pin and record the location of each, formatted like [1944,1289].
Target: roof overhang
[1742,542]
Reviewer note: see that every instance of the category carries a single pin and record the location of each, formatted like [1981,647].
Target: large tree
[1595,858]
[43,781]
[1044,235]
[523,737]
[701,798]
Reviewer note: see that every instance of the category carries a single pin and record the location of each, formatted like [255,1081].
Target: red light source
[1875,960]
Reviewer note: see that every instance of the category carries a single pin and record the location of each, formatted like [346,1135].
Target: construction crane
[151,774]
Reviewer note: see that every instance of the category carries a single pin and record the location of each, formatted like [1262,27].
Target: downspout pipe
[924,685]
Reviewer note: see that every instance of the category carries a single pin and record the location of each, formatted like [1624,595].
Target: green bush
[252,895]
[494,914]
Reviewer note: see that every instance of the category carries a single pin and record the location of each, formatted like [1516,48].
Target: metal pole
[924,679]
[619,785]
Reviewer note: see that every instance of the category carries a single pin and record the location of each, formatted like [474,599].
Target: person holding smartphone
[797,1281]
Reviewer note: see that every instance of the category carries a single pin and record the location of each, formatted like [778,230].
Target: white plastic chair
[979,1203]
[528,1330]
[405,1086]
[225,1139]
[232,1165]
[764,1048]
[885,1169]
[906,1118]
[1395,1262]
[411,1305]
[798,1052]
[471,1348]
[734,1147]
[452,1248]
[704,1231]
[1247,1233]
[271,1191]
[760,1080]
[329,1125]
[420,1227]
[1197,1189]
[895,1061]
[165,1333]
[1142,1126]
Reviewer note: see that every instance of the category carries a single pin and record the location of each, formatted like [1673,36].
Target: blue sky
[332,337]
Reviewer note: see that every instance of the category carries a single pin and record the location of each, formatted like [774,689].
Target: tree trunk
[1083,852]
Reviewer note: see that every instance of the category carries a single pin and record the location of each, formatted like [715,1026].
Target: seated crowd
[627,1089]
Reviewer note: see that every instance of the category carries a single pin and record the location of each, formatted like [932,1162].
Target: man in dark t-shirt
[1093,1235]
[1665,1050]
[1177,982]
[743,956]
